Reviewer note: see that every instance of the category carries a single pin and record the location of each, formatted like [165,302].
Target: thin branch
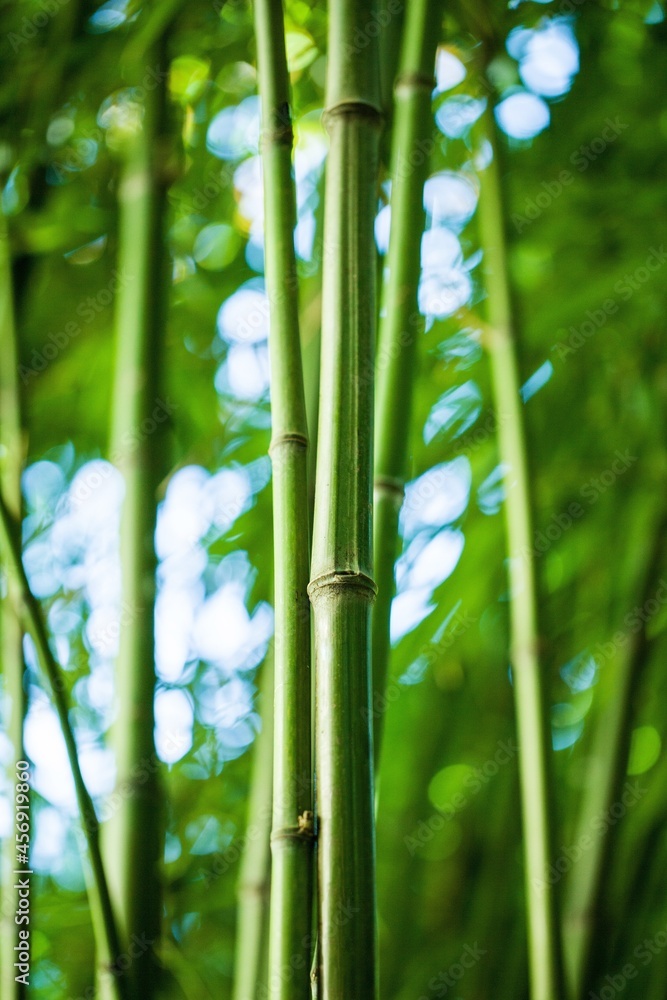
[583,905]
[544,944]
[104,922]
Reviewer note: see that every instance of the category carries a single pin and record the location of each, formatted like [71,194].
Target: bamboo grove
[331,891]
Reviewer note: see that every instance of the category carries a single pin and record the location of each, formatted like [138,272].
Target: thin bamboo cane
[11,637]
[254,888]
[400,322]
[585,888]
[104,922]
[544,944]
[134,840]
[341,587]
[292,835]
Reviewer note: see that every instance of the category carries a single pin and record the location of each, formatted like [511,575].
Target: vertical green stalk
[533,729]
[11,638]
[292,833]
[255,878]
[391,14]
[342,588]
[135,836]
[104,923]
[607,772]
[400,323]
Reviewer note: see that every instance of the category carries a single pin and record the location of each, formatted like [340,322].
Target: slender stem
[583,903]
[392,14]
[401,323]
[254,887]
[104,923]
[11,636]
[135,835]
[341,587]
[292,834]
[530,701]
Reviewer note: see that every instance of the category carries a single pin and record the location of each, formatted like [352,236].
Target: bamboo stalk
[341,588]
[544,944]
[292,833]
[11,636]
[254,888]
[400,324]
[391,15]
[584,896]
[104,922]
[134,844]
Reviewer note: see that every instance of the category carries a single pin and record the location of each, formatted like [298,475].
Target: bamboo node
[359,109]
[343,579]
[414,81]
[291,437]
[390,484]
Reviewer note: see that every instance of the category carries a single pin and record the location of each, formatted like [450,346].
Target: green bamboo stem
[401,324]
[607,773]
[11,636]
[104,922]
[134,844]
[292,835]
[254,888]
[391,15]
[544,945]
[341,588]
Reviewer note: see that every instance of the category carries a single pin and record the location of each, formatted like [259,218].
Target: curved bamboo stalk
[104,922]
[11,636]
[400,324]
[341,588]
[254,888]
[292,833]
[544,944]
[606,776]
[134,840]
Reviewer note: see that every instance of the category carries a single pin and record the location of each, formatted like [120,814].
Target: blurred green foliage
[585,206]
